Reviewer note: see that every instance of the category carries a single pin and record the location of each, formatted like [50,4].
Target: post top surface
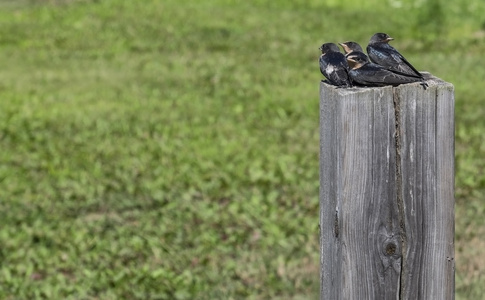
[431,80]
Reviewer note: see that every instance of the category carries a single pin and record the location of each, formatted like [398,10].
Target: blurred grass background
[169,149]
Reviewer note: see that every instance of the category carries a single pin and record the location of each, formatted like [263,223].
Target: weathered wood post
[387,192]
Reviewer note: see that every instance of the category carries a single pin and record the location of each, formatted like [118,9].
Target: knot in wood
[391,249]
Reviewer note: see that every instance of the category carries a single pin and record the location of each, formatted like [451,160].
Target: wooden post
[387,192]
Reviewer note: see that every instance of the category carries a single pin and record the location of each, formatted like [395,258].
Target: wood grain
[386,192]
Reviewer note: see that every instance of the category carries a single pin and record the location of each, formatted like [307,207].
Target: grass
[169,150]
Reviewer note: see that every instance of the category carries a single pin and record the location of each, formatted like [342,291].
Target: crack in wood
[399,199]
[335,227]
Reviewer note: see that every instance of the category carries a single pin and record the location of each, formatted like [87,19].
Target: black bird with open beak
[365,73]
[350,47]
[333,65]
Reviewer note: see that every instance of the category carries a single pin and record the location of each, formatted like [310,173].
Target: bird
[381,53]
[363,72]
[350,47]
[333,65]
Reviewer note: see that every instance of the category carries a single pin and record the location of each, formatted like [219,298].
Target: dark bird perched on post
[333,65]
[350,47]
[366,73]
[381,53]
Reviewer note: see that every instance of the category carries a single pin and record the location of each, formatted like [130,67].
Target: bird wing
[340,74]
[395,79]
[371,74]
[385,55]
[403,65]
[377,55]
[323,65]
[335,68]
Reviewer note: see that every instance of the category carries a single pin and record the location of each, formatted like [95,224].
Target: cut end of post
[429,79]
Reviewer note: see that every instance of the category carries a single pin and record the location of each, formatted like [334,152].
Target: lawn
[169,149]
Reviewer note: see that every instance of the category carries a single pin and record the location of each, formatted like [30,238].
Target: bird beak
[346,49]
[389,39]
[351,62]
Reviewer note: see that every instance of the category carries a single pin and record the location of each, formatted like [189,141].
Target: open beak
[346,49]
[351,62]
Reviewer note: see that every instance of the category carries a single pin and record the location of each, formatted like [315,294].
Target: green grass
[169,150]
